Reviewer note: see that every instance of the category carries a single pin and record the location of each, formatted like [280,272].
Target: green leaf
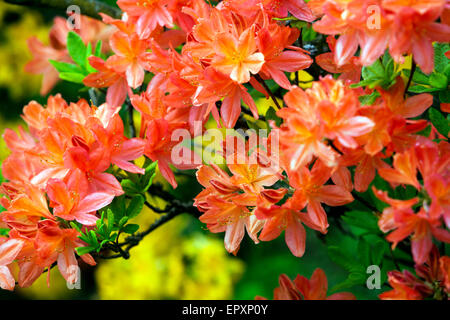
[343,258]
[130,187]
[72,77]
[118,207]
[362,219]
[440,60]
[369,99]
[308,34]
[65,67]
[422,89]
[110,217]
[374,71]
[377,251]
[93,237]
[84,250]
[4,232]
[76,48]
[131,228]
[98,49]
[147,178]
[439,122]
[364,252]
[378,74]
[444,96]
[135,206]
[438,80]
[123,221]
[75,226]
[418,77]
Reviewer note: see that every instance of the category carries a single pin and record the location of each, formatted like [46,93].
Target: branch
[89,8]
[174,209]
[131,119]
[413,69]
[266,87]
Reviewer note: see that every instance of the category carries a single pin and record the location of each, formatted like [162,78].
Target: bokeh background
[181,260]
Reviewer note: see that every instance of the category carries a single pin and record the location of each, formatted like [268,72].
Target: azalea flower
[328,109]
[271,43]
[107,77]
[71,202]
[306,289]
[237,57]
[310,191]
[131,57]
[149,14]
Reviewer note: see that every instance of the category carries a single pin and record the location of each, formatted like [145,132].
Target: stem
[131,120]
[89,8]
[155,209]
[413,69]
[266,87]
[174,209]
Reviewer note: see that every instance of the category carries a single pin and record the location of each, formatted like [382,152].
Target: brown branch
[266,87]
[174,209]
[413,69]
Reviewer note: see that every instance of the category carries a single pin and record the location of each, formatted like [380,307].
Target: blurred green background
[181,260]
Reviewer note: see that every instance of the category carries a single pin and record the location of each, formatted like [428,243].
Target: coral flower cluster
[368,125]
[59,173]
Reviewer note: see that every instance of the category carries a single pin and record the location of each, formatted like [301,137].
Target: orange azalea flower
[271,43]
[400,291]
[216,182]
[414,29]
[410,107]
[92,31]
[405,222]
[276,8]
[349,71]
[237,57]
[107,77]
[131,57]
[26,205]
[120,149]
[159,146]
[226,200]
[409,28]
[328,109]
[366,166]
[307,289]
[231,218]
[9,249]
[289,219]
[252,176]
[215,86]
[56,244]
[149,14]
[404,171]
[310,191]
[71,202]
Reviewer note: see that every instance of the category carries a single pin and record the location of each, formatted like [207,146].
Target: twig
[174,209]
[413,69]
[266,87]
[90,8]
[131,119]
[154,209]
